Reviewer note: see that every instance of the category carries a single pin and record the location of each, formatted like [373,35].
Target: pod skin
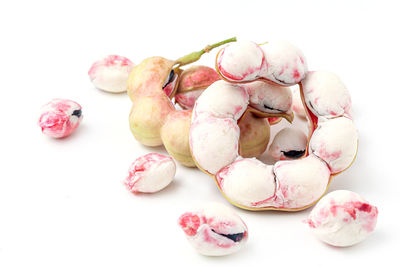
[214,229]
[342,218]
[60,117]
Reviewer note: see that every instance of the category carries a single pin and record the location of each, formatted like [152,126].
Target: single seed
[204,224]
[57,117]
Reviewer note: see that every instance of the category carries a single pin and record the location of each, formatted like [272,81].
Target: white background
[62,202]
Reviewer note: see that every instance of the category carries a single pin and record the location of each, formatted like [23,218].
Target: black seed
[233,237]
[268,107]
[294,154]
[170,78]
[77,112]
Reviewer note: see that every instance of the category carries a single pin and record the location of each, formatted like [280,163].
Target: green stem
[192,57]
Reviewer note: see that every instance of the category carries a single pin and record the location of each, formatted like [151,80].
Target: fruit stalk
[194,56]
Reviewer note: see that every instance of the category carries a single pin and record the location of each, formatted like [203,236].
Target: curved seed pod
[111,73]
[343,218]
[289,143]
[287,185]
[150,173]
[60,117]
[276,61]
[214,229]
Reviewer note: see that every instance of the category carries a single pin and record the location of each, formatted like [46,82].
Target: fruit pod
[150,104]
[287,185]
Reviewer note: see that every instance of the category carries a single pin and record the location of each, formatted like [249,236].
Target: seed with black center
[77,112]
[170,78]
[234,237]
[294,154]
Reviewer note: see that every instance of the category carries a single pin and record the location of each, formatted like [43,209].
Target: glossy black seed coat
[77,112]
[170,78]
[294,154]
[233,237]
[270,108]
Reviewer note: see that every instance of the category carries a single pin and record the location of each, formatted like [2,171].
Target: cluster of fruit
[222,122]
